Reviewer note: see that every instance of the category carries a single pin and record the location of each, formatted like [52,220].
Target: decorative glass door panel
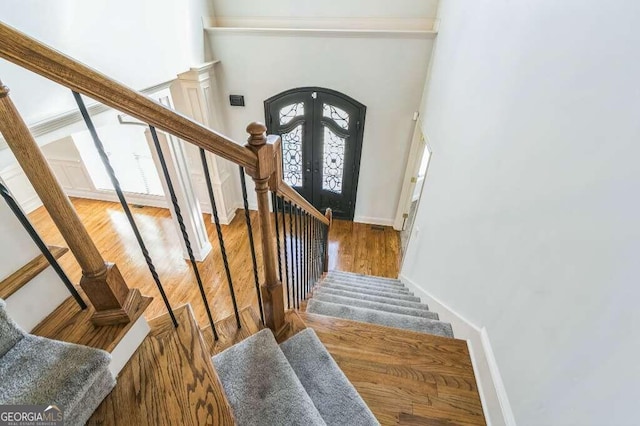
[321,133]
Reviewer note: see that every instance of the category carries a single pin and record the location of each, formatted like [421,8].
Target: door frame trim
[362,111]
[419,144]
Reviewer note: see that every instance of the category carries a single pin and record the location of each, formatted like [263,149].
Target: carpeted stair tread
[365,282]
[331,392]
[375,306]
[362,277]
[361,290]
[384,283]
[379,299]
[395,289]
[37,370]
[261,386]
[421,325]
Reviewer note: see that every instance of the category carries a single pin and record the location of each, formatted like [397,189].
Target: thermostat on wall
[236,100]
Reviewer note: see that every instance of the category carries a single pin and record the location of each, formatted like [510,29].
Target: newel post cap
[257,131]
[4,90]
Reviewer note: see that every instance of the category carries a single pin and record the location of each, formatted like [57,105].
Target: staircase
[374,300]
[305,385]
[366,351]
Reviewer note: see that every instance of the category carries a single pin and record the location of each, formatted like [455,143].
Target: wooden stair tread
[228,332]
[69,323]
[169,380]
[404,377]
[29,271]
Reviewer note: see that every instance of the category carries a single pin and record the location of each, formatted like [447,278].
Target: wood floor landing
[170,380]
[406,378]
[69,323]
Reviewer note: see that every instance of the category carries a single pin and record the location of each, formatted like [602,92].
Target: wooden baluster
[101,281]
[325,263]
[271,288]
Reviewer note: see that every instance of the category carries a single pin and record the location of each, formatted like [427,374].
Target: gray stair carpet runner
[333,395]
[363,277]
[297,383]
[380,299]
[375,305]
[372,292]
[374,300]
[261,386]
[40,371]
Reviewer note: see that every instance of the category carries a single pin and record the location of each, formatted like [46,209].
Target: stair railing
[261,159]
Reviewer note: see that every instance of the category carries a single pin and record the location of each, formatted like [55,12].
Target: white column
[195,94]
[175,157]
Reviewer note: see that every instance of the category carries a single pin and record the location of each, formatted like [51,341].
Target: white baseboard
[125,349]
[140,199]
[495,402]
[373,220]
[31,204]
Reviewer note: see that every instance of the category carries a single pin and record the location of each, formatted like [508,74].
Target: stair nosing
[388,300]
[408,297]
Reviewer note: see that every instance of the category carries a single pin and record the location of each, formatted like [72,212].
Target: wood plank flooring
[406,378]
[71,324]
[352,247]
[168,381]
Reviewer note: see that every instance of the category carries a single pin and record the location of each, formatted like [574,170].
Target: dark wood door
[321,133]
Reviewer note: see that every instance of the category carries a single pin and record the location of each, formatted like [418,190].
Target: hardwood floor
[352,247]
[71,324]
[406,378]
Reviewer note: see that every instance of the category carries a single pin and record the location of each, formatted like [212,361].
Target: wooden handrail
[35,56]
[103,283]
[281,188]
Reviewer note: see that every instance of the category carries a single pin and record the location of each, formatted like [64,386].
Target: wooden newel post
[102,282]
[325,264]
[271,288]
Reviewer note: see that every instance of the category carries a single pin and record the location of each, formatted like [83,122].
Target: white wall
[327,8]
[383,73]
[140,43]
[528,223]
[33,302]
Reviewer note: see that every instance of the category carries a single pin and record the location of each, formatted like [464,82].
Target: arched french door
[321,132]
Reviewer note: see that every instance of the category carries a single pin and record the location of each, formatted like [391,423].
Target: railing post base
[273,303]
[113,301]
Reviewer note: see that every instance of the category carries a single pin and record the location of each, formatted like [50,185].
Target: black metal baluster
[315,251]
[293,263]
[26,224]
[284,247]
[183,229]
[216,219]
[325,246]
[252,247]
[127,211]
[303,293]
[274,203]
[306,252]
[310,238]
[297,261]
[303,252]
